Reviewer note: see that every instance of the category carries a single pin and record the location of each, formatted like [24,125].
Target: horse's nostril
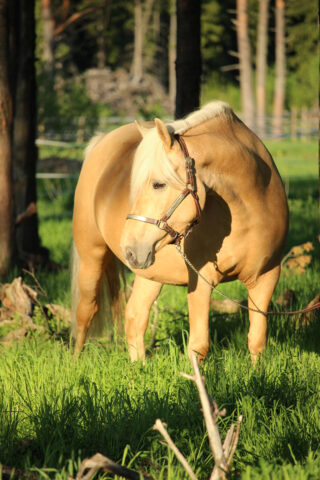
[131,256]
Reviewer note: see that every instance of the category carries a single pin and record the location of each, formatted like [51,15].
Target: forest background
[117,58]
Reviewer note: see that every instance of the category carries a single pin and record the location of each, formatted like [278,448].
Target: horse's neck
[225,154]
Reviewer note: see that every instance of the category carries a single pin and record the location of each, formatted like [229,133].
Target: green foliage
[302,88]
[303,62]
[216,88]
[60,110]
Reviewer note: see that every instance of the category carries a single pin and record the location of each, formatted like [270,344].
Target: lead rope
[214,289]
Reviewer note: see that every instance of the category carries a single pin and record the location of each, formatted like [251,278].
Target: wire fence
[296,124]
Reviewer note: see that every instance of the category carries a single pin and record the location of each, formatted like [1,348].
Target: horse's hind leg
[144,293]
[90,273]
[259,298]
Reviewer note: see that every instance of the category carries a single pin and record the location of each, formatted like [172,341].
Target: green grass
[55,411]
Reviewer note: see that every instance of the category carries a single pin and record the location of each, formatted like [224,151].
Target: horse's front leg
[199,304]
[144,293]
[259,298]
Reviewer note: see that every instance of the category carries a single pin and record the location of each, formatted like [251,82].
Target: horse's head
[163,204]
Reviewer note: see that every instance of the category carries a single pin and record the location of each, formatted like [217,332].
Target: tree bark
[172,54]
[141,22]
[102,25]
[188,63]
[25,152]
[246,83]
[48,37]
[280,79]
[262,43]
[161,57]
[6,217]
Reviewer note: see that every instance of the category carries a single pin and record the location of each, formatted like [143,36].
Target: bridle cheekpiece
[190,189]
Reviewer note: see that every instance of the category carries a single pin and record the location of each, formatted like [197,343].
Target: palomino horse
[233,191]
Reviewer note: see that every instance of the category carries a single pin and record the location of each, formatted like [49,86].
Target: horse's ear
[163,134]
[143,130]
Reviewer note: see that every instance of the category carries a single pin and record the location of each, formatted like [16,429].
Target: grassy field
[56,411]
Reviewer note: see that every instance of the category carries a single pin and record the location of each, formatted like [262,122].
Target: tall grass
[55,411]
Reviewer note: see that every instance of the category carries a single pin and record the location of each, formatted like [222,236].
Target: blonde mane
[210,110]
[150,159]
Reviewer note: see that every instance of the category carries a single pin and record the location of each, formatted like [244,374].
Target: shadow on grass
[93,421]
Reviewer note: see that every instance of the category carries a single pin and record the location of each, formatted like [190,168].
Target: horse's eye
[158,185]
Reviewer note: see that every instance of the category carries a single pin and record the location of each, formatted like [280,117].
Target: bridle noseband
[190,189]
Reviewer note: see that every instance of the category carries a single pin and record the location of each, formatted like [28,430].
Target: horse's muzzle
[138,259]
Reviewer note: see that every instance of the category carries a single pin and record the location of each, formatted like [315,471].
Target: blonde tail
[110,298]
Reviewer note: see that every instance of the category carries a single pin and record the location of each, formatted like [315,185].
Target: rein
[316,306]
[191,189]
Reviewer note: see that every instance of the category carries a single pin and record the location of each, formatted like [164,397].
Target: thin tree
[18,152]
[262,44]
[25,152]
[280,78]
[48,37]
[172,53]
[6,228]
[141,21]
[188,63]
[245,64]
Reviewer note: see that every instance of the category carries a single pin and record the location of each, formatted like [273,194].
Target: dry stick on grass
[222,453]
[99,461]
[162,429]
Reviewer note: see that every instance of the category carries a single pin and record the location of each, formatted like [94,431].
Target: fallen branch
[30,210]
[99,461]
[222,453]
[162,429]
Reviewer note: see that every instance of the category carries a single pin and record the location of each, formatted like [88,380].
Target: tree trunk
[279,93]
[25,152]
[136,68]
[246,84]
[262,43]
[102,25]
[48,37]
[188,63]
[172,54]
[141,22]
[6,217]
[161,57]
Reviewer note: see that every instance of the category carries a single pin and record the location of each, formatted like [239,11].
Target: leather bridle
[190,189]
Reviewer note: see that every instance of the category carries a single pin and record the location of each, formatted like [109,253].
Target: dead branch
[76,16]
[30,210]
[41,290]
[228,68]
[162,429]
[99,461]
[210,418]
[222,453]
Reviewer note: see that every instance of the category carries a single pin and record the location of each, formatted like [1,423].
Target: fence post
[294,123]
[304,123]
[80,131]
